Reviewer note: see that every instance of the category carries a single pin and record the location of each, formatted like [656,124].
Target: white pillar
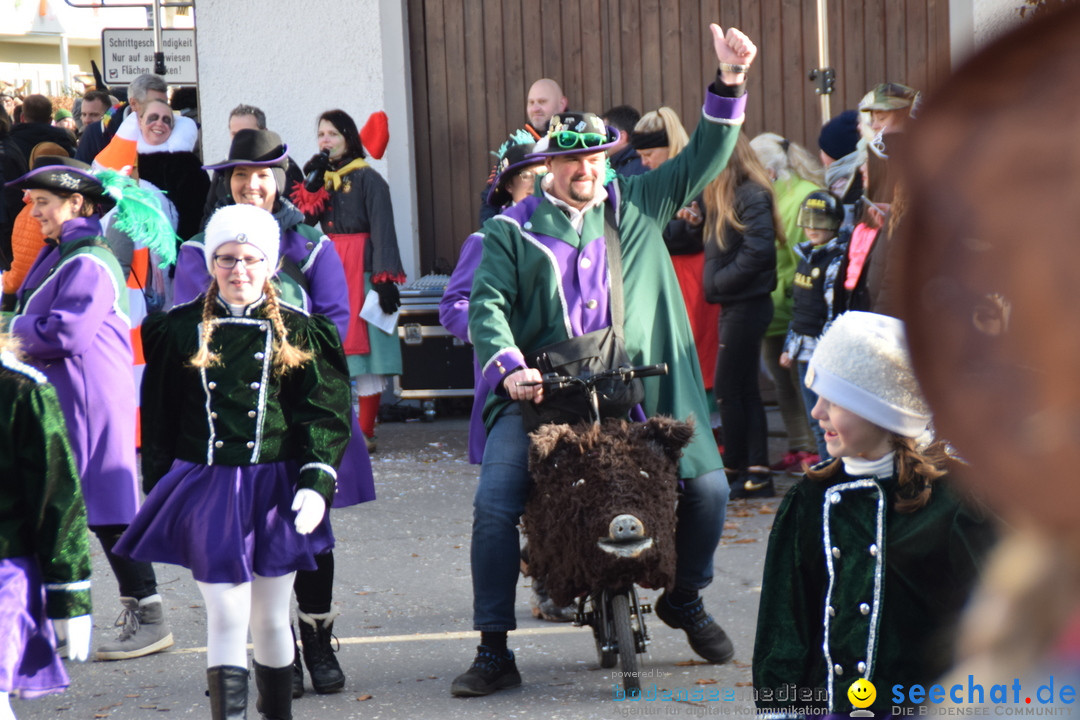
[65,71]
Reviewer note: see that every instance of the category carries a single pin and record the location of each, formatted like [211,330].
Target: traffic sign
[129,53]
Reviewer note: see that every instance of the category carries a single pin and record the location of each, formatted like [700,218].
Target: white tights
[6,713]
[263,604]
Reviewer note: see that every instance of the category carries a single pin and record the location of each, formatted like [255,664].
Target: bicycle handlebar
[554,381]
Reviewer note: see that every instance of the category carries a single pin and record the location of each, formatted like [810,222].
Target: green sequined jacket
[240,411]
[854,589]
[42,514]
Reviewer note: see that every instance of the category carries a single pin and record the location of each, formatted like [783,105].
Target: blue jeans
[500,499]
[810,399]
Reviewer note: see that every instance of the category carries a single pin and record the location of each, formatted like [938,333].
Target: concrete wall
[310,57]
[973,23]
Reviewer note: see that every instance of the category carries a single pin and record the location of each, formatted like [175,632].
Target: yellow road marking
[463,635]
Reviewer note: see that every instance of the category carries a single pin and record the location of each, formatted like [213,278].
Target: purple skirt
[28,662]
[355,483]
[225,523]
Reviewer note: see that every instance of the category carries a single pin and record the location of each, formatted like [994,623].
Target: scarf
[332,178]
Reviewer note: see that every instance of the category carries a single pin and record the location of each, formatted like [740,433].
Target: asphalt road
[403,590]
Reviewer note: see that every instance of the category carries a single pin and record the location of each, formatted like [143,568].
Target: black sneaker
[489,672]
[706,637]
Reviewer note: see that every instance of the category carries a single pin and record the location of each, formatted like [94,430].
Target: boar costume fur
[590,484]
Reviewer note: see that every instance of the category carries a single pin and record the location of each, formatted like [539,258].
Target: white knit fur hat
[862,364]
[242,224]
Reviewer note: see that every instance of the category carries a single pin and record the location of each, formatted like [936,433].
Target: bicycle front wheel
[624,636]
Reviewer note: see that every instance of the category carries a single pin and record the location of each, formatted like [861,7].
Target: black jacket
[746,266]
[27,135]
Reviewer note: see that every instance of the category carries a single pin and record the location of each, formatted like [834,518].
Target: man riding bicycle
[543,279]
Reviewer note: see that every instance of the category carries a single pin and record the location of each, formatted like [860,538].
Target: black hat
[258,148]
[583,132]
[513,156]
[262,148]
[840,136]
[57,173]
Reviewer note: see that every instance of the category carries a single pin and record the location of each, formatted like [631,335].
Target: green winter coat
[790,193]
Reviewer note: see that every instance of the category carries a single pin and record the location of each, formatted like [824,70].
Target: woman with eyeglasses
[246,417]
[351,201]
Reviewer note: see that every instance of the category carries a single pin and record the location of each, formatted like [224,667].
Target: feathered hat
[511,157]
[138,211]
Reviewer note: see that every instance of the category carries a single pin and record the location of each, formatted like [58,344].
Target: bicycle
[562,521]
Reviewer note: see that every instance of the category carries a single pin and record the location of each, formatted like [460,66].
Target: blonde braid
[203,358]
[286,355]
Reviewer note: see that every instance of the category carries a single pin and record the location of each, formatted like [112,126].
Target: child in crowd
[814,290]
[44,547]
[246,418]
[873,554]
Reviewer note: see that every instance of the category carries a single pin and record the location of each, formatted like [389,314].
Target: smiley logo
[862,693]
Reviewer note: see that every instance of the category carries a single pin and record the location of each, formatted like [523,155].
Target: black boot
[275,692]
[298,670]
[316,632]
[228,690]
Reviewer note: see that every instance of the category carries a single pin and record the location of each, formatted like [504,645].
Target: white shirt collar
[576,217]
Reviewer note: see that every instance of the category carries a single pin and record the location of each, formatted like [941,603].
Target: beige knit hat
[862,364]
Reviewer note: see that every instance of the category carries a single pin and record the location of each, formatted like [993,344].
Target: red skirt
[350,248]
[704,316]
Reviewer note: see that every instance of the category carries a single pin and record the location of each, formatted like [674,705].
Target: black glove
[314,170]
[389,297]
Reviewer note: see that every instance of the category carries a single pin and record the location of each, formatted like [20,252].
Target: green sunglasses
[568,139]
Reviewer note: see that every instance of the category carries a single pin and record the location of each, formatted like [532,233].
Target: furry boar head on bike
[602,510]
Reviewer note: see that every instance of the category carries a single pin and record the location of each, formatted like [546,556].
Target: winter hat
[840,136]
[862,364]
[61,114]
[242,224]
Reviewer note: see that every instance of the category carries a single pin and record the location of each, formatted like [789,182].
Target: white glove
[310,509]
[77,632]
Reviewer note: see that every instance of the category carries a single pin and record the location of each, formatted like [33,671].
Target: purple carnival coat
[454,316]
[73,325]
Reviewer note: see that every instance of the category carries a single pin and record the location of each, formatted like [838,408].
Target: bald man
[545,99]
